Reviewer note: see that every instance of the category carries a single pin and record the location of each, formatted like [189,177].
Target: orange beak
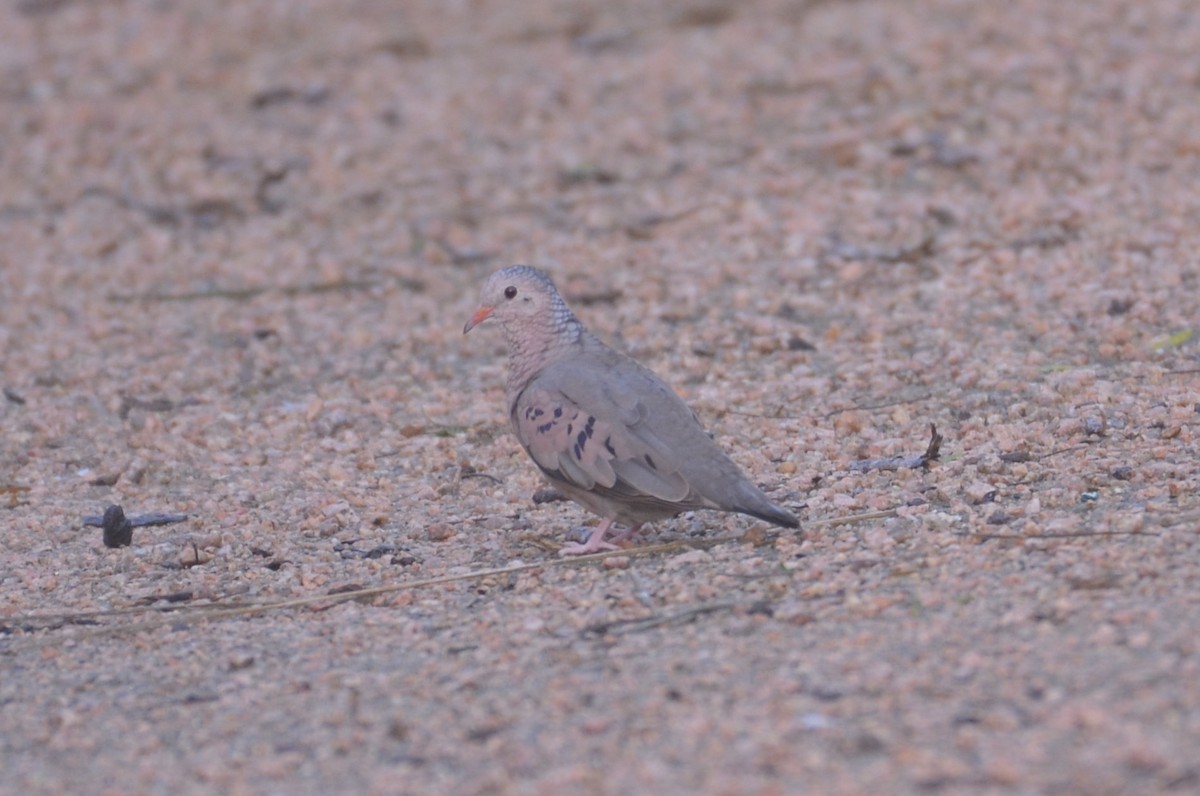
[481,315]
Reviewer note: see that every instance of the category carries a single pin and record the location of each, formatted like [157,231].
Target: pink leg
[626,535]
[596,543]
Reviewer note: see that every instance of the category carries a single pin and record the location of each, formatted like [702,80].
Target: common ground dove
[604,430]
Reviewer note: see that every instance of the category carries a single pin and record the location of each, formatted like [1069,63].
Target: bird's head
[519,295]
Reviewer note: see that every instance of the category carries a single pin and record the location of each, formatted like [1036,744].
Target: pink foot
[596,543]
[626,534]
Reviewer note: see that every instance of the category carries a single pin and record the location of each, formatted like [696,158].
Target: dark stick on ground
[931,454]
[118,529]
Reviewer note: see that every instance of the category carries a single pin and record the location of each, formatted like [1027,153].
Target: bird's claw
[587,548]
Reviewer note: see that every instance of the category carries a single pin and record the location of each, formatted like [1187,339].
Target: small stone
[796,343]
[255,459]
[193,556]
[689,558]
[240,660]
[333,509]
[757,535]
[794,612]
[980,492]
[439,532]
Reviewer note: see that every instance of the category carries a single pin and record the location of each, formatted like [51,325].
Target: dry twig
[932,454]
[185,615]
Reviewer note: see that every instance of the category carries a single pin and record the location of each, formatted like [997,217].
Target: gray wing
[610,430]
[601,423]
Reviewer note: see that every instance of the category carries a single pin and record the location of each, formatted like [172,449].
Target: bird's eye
[510,292]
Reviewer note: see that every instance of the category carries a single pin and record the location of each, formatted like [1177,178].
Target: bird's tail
[756,504]
[776,515]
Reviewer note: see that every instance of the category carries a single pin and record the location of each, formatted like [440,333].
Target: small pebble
[439,532]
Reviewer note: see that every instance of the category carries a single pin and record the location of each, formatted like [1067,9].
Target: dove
[604,430]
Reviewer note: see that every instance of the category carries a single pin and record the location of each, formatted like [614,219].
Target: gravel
[240,240]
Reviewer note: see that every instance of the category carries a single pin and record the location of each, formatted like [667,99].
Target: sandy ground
[239,240]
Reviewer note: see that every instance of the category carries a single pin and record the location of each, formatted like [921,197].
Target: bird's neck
[531,350]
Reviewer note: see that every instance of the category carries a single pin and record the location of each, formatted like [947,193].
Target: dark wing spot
[608,446]
[544,427]
[538,412]
[570,429]
[558,411]
[578,451]
[650,462]
[589,427]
